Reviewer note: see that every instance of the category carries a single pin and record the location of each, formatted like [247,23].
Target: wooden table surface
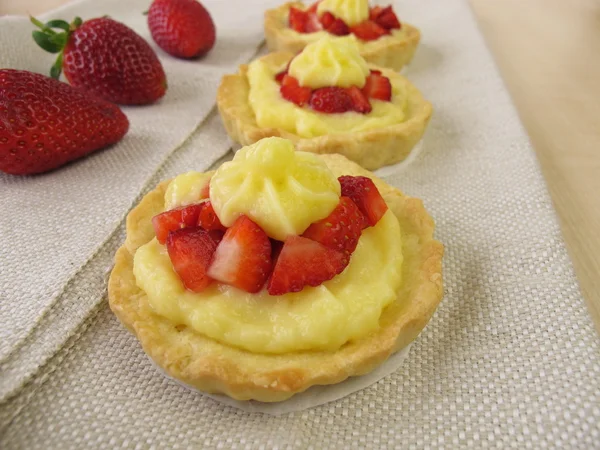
[548,54]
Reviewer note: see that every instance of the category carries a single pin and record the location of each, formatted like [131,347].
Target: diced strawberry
[374,12]
[375,72]
[243,258]
[304,262]
[327,19]
[175,219]
[387,19]
[298,19]
[313,7]
[368,30]
[360,102]
[291,90]
[379,87]
[280,75]
[341,229]
[312,24]
[365,194]
[339,28]
[331,100]
[191,251]
[208,219]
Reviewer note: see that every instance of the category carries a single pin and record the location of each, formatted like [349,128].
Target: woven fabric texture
[78,207]
[510,359]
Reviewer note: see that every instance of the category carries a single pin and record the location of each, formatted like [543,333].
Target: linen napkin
[55,223]
[509,360]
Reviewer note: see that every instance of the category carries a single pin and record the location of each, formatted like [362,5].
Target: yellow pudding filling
[281,190]
[352,12]
[187,190]
[343,309]
[325,317]
[273,111]
[330,62]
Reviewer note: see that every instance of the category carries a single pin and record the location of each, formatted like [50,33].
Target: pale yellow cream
[330,61]
[346,308]
[271,110]
[282,190]
[352,12]
[186,189]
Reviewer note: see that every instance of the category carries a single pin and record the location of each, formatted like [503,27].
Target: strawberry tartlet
[279,271]
[382,39]
[326,99]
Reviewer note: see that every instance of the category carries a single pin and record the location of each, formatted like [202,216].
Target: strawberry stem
[52,41]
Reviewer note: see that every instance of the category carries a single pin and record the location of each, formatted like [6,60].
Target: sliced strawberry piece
[313,7]
[374,12]
[297,19]
[379,87]
[341,229]
[387,19]
[284,72]
[208,219]
[331,100]
[339,28]
[360,102]
[191,251]
[368,30]
[291,90]
[304,262]
[375,72]
[312,24]
[365,194]
[243,258]
[327,19]
[280,75]
[175,219]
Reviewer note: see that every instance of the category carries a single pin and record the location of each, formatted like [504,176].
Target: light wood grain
[548,54]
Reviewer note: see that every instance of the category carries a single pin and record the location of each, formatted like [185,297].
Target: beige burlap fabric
[510,359]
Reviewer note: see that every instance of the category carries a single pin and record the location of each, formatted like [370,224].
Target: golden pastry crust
[383,52]
[214,367]
[371,149]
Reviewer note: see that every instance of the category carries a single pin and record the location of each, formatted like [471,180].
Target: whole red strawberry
[182,28]
[104,57]
[45,123]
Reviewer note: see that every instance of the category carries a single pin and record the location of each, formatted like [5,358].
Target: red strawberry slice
[341,229]
[175,219]
[379,87]
[205,191]
[327,19]
[387,19]
[360,102]
[313,7]
[207,218]
[368,30]
[375,72]
[339,28]
[280,75]
[191,251]
[291,90]
[297,19]
[331,100]
[304,262]
[312,24]
[243,258]
[374,12]
[365,194]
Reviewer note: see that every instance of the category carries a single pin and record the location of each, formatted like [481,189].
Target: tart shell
[391,53]
[215,367]
[371,149]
